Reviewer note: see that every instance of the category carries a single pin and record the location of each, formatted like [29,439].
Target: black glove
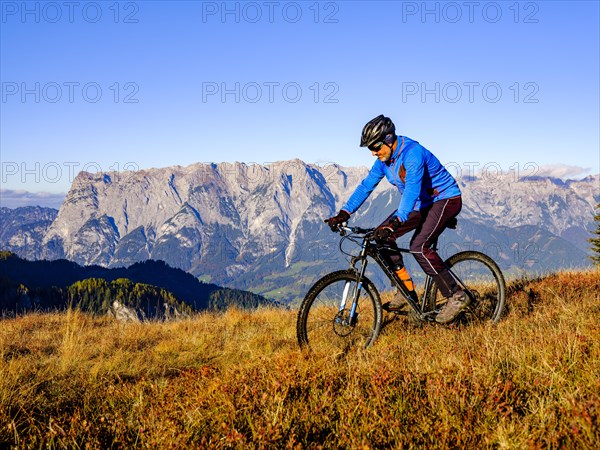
[386,229]
[335,221]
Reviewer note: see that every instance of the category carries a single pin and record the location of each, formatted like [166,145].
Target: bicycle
[344,307]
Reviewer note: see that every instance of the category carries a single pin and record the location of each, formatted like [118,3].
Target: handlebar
[344,228]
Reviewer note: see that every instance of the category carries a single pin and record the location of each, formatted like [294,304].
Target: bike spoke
[481,278]
[329,328]
[483,288]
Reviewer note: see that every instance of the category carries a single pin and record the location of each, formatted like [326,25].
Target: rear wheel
[325,320]
[483,281]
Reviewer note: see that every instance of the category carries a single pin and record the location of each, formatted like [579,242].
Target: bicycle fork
[353,314]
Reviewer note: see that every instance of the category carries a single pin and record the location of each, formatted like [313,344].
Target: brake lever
[342,227]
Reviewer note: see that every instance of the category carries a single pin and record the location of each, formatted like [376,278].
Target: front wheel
[326,319]
[483,281]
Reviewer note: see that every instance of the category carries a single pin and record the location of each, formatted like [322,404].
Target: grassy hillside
[239,380]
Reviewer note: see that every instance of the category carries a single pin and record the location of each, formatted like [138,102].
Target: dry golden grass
[239,380]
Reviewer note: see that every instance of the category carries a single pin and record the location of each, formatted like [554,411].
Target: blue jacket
[417,174]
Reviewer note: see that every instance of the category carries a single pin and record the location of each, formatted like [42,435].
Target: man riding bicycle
[430,199]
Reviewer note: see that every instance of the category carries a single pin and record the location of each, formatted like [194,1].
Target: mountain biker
[430,198]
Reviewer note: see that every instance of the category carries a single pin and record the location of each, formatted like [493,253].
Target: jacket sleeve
[414,165]
[364,189]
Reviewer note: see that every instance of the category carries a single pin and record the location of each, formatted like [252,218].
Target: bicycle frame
[369,249]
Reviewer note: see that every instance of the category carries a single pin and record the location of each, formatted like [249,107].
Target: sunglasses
[376,147]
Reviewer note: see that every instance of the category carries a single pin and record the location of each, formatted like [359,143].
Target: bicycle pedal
[396,309]
[430,316]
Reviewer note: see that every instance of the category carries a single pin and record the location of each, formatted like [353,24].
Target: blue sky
[107,85]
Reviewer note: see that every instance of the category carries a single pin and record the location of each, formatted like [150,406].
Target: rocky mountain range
[260,227]
[23,229]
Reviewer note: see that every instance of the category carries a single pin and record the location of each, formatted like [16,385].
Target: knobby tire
[483,278]
[316,325]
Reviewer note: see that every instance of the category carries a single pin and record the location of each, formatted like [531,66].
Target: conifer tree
[595,241]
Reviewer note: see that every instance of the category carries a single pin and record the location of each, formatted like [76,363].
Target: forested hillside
[152,288]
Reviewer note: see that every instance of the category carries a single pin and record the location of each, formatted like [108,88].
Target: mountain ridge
[234,223]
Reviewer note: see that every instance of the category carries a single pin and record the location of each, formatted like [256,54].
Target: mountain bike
[344,308]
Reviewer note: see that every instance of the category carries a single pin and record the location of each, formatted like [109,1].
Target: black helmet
[376,130]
